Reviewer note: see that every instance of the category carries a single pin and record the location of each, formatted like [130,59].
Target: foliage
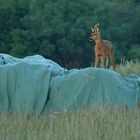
[60,30]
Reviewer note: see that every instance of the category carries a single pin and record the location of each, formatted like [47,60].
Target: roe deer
[103,48]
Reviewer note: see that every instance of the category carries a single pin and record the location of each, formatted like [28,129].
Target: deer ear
[92,29]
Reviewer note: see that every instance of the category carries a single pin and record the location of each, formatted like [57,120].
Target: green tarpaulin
[37,84]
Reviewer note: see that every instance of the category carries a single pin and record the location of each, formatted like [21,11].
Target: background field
[102,123]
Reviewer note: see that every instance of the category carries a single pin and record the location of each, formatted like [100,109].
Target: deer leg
[112,59]
[103,59]
[96,60]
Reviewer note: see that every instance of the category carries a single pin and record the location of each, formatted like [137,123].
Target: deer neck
[98,41]
[98,38]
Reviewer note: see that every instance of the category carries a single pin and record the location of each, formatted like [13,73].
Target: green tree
[60,30]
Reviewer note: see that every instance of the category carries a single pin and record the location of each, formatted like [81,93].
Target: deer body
[103,48]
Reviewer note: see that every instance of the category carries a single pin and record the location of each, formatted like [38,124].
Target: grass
[97,124]
[129,67]
[102,123]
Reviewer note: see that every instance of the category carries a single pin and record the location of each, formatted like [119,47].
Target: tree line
[60,30]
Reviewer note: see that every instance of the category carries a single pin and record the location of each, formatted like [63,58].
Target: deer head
[95,35]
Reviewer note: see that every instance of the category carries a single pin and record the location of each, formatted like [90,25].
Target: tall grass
[129,67]
[103,123]
[97,124]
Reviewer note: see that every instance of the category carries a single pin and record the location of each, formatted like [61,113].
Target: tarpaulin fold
[36,84]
